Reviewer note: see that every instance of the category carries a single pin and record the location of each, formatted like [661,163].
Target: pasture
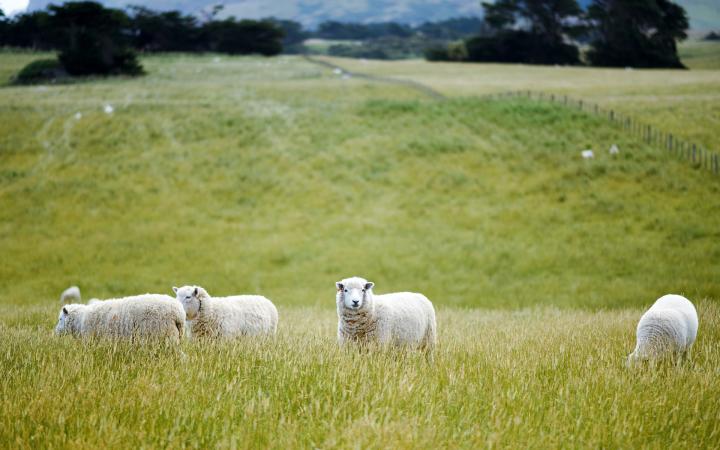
[278,177]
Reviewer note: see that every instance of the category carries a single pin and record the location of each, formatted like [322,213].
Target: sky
[312,12]
[10,7]
[704,14]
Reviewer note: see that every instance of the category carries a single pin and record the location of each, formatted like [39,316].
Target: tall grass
[531,378]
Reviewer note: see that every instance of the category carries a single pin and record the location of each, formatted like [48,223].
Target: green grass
[700,54]
[273,176]
[683,102]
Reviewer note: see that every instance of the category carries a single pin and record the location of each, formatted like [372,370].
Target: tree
[164,31]
[636,33]
[244,37]
[29,30]
[294,34]
[93,39]
[533,31]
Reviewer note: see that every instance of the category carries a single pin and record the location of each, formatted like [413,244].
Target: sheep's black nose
[355,302]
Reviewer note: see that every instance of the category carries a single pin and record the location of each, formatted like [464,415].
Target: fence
[698,156]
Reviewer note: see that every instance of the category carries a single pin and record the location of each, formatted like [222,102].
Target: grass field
[275,176]
[700,54]
[683,102]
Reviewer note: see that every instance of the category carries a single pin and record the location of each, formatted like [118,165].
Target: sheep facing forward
[668,328]
[145,316]
[239,315]
[397,319]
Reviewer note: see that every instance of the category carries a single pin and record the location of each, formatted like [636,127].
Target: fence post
[693,153]
[670,142]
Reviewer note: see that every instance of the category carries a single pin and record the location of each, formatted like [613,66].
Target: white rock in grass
[587,154]
[668,328]
[397,319]
[614,150]
[108,108]
[78,115]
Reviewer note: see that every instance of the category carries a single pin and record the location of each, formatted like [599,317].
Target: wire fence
[699,157]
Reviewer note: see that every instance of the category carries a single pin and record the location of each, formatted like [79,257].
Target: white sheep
[70,295]
[397,319]
[587,154]
[239,315]
[141,316]
[669,327]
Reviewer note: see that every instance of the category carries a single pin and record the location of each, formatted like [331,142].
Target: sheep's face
[188,298]
[66,320]
[354,293]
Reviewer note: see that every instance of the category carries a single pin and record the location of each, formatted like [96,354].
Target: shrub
[40,71]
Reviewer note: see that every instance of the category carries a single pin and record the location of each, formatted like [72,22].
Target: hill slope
[279,177]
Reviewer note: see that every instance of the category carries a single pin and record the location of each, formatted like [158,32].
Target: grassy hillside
[276,176]
[686,103]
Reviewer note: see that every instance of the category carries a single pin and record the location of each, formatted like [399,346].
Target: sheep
[141,316]
[70,295]
[227,317]
[669,327]
[587,154]
[397,319]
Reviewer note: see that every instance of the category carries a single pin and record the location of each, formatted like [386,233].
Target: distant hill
[704,14]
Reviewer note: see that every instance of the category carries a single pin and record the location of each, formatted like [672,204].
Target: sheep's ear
[65,311]
[369,285]
[195,292]
[339,286]
[175,289]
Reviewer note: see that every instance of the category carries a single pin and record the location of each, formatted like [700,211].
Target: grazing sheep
[141,316]
[614,150]
[669,327]
[70,295]
[239,315]
[398,319]
[587,154]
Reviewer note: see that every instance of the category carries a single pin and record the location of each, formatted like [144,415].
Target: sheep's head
[68,319]
[354,294]
[190,298]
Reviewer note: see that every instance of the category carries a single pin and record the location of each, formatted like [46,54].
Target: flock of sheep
[402,319]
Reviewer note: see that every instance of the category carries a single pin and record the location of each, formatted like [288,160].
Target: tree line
[620,33]
[93,39]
